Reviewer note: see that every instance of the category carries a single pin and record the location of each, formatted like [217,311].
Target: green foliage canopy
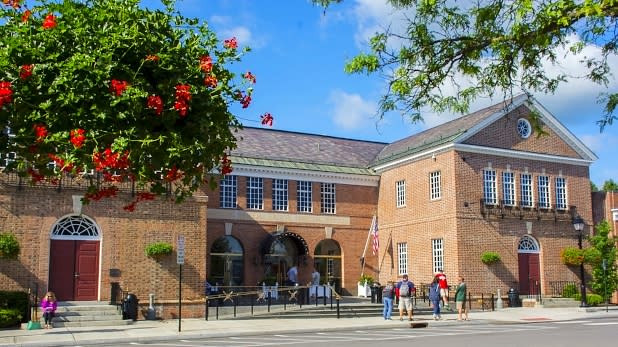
[499,46]
[125,92]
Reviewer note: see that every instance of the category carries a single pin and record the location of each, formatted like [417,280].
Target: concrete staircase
[85,314]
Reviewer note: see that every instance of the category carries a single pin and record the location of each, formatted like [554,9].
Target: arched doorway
[529,266]
[282,251]
[226,262]
[74,259]
[327,260]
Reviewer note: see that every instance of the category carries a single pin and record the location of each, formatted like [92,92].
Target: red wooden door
[529,273]
[74,269]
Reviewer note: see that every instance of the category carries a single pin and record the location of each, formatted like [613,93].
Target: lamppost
[578,224]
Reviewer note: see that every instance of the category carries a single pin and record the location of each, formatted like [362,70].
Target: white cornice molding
[413,157]
[306,175]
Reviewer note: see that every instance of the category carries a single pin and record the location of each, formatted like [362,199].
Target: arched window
[226,262]
[527,244]
[75,227]
[327,260]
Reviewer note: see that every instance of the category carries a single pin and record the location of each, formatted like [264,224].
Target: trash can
[514,298]
[129,307]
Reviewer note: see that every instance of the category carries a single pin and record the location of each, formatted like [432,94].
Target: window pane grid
[561,193]
[327,191]
[280,195]
[227,192]
[304,197]
[526,190]
[489,187]
[402,251]
[508,187]
[255,193]
[401,193]
[543,184]
[434,183]
[437,254]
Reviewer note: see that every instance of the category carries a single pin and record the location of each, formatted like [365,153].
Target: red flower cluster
[226,165]
[173,174]
[245,100]
[152,57]
[25,16]
[110,160]
[78,137]
[230,43]
[12,3]
[250,77]
[210,81]
[6,93]
[61,163]
[25,71]
[101,193]
[118,87]
[143,196]
[156,103]
[40,132]
[206,64]
[49,22]
[183,96]
[267,119]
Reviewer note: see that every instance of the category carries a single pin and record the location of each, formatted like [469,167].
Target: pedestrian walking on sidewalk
[404,292]
[434,298]
[49,306]
[460,299]
[387,299]
[443,288]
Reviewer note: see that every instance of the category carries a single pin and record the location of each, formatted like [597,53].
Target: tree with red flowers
[109,88]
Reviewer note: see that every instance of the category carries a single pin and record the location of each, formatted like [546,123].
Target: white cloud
[351,111]
[226,29]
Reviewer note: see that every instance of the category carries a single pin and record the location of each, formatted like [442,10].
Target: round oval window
[524,128]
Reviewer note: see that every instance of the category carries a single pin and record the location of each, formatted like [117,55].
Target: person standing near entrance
[387,298]
[49,306]
[404,291]
[315,277]
[443,288]
[293,276]
[434,298]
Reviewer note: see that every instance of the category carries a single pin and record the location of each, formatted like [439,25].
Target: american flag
[374,233]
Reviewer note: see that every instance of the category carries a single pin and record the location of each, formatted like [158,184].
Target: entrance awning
[299,242]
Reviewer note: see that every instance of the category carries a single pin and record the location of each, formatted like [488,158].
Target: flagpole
[366,244]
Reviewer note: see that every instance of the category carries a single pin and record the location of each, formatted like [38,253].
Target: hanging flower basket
[572,256]
[158,249]
[9,246]
[490,257]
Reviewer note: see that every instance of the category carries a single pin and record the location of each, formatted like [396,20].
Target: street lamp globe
[578,224]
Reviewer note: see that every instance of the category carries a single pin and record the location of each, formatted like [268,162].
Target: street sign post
[180,260]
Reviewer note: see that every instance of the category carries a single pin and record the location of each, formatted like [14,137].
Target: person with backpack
[404,292]
[387,298]
[434,298]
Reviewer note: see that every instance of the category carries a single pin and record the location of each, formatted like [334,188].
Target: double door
[74,270]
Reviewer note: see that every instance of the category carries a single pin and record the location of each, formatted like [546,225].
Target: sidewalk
[148,331]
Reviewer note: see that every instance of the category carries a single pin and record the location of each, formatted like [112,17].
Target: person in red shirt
[443,284]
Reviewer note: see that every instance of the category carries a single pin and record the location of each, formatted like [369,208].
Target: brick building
[606,208]
[482,182]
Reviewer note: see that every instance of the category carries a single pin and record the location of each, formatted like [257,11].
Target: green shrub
[569,290]
[364,278]
[490,257]
[158,249]
[591,299]
[10,317]
[9,246]
[15,300]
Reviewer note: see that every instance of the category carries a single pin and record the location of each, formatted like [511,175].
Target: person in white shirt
[315,277]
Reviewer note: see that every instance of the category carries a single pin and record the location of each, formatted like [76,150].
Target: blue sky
[298,55]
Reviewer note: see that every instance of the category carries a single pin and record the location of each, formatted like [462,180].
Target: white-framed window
[400,188]
[7,158]
[402,258]
[437,254]
[489,187]
[227,192]
[561,193]
[304,197]
[527,198]
[508,188]
[280,195]
[543,189]
[434,185]
[255,193]
[327,198]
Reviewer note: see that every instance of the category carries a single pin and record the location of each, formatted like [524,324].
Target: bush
[10,317]
[569,290]
[158,249]
[9,246]
[591,299]
[15,300]
[366,278]
[490,257]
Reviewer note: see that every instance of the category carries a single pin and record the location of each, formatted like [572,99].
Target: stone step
[84,314]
